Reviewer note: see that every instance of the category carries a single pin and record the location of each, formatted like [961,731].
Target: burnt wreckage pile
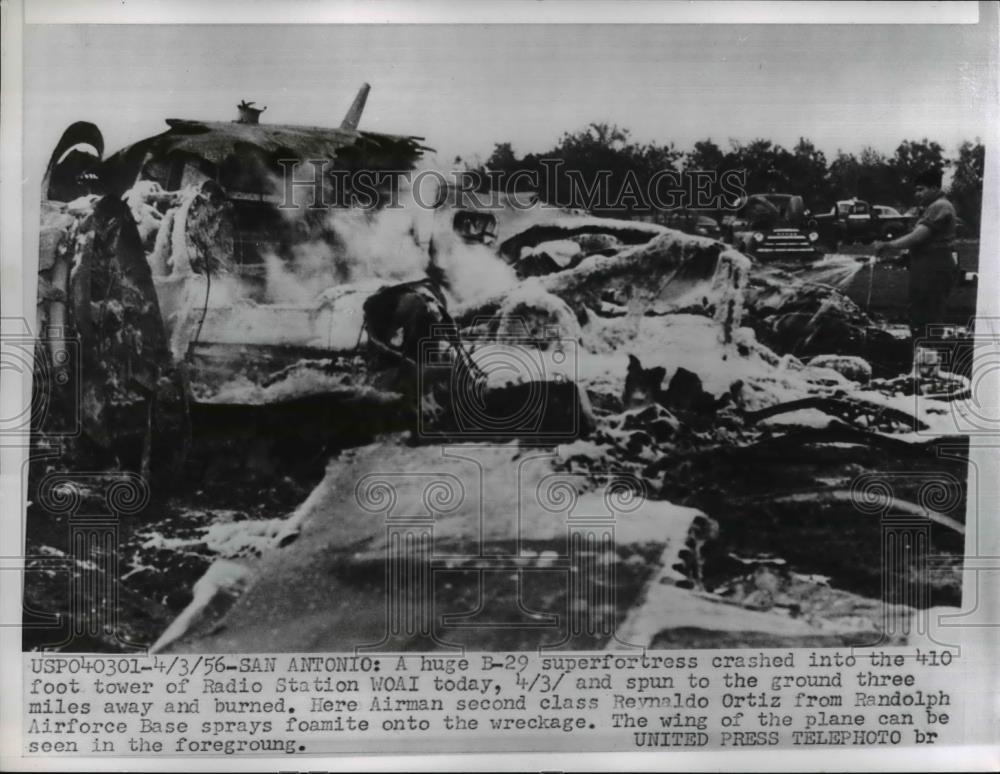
[208,330]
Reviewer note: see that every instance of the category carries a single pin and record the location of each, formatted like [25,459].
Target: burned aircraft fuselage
[261,168]
[131,245]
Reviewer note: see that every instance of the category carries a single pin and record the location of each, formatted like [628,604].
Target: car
[854,220]
[885,211]
[772,226]
[691,222]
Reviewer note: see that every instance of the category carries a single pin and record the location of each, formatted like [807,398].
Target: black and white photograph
[511,338]
[358,363]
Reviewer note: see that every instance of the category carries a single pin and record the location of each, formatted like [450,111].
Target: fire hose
[871,284]
[204,311]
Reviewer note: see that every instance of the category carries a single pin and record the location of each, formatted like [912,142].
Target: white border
[14,303]
[501,12]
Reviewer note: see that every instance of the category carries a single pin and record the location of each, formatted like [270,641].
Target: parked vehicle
[770,226]
[854,220]
[693,223]
[885,211]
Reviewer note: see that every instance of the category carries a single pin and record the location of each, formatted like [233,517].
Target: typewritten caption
[296,704]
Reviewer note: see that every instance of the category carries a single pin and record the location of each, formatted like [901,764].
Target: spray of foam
[834,270]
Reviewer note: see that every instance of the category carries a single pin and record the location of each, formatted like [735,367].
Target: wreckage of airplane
[156,315]
[177,298]
[188,318]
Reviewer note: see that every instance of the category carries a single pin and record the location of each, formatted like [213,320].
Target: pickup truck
[854,220]
[772,226]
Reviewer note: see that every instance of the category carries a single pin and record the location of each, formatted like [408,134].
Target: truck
[772,226]
[854,220]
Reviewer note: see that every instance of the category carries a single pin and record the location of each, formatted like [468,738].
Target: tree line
[609,150]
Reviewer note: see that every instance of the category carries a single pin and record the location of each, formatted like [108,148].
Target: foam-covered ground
[496,524]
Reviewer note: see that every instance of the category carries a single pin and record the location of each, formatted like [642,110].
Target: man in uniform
[931,244]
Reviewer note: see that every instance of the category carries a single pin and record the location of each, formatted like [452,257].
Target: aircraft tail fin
[353,117]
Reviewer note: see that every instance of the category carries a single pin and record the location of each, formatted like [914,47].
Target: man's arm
[920,234]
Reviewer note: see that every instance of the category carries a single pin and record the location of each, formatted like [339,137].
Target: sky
[465,88]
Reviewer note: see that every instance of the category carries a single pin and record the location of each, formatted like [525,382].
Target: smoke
[347,247]
[387,244]
[394,244]
[283,285]
[473,271]
[323,249]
